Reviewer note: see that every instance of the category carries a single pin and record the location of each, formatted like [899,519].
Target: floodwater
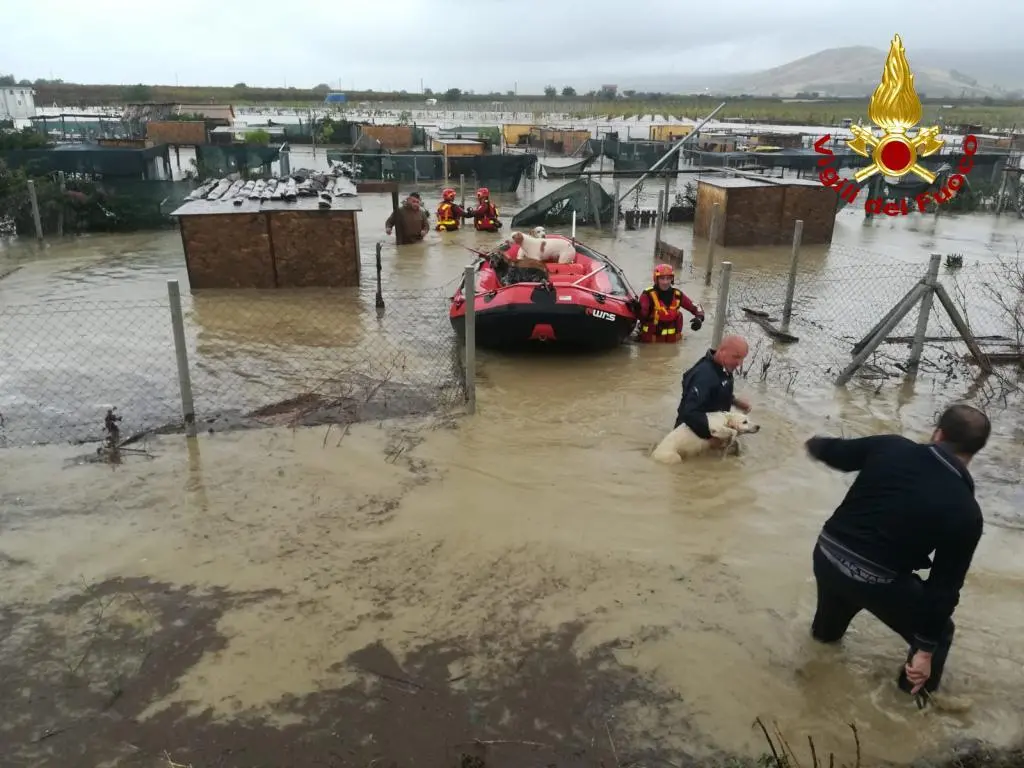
[539,517]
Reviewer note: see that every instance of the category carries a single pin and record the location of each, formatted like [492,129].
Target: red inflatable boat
[588,304]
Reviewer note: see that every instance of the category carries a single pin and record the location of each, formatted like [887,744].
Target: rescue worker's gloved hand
[696,323]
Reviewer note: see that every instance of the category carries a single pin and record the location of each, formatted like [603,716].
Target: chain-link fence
[834,312]
[253,358]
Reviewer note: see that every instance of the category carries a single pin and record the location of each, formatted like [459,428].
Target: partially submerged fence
[222,360]
[871,321]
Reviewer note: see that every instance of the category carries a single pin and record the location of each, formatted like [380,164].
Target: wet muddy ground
[519,588]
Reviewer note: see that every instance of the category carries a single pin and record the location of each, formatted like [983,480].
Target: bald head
[731,352]
[964,429]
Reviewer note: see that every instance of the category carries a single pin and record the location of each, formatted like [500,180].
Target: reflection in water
[543,509]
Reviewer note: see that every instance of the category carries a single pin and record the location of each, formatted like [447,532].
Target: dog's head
[517,238]
[538,232]
[741,423]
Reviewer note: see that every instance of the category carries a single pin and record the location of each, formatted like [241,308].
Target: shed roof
[347,199]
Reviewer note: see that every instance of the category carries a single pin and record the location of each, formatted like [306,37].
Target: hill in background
[854,72]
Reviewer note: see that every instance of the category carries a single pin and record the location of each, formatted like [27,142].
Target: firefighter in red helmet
[485,215]
[661,305]
[449,213]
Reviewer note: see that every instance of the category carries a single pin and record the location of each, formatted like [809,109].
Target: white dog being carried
[709,415]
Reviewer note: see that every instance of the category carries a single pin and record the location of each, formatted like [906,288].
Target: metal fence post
[469,295]
[722,307]
[658,220]
[715,221]
[615,207]
[60,214]
[380,295]
[34,200]
[667,204]
[462,189]
[794,261]
[925,312]
[188,410]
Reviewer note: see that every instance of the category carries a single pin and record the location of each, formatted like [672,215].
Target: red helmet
[448,195]
[664,270]
[483,192]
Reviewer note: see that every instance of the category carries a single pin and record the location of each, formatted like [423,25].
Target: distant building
[17,102]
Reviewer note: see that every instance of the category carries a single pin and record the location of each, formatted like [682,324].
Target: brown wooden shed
[271,243]
[764,212]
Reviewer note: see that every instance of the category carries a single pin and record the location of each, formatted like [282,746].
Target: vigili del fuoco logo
[895,109]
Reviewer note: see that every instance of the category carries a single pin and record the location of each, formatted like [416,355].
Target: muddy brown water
[525,577]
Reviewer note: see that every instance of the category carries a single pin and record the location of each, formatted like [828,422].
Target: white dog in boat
[682,443]
[545,249]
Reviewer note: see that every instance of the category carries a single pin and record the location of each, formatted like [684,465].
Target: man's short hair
[965,429]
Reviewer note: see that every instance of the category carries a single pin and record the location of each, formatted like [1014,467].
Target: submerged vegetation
[84,205]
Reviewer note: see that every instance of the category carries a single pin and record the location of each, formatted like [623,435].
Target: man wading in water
[910,500]
[409,221]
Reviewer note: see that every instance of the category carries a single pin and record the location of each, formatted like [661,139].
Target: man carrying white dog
[910,501]
[708,387]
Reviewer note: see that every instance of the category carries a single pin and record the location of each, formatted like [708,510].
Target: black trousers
[896,604]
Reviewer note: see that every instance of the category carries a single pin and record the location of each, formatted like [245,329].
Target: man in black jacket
[909,500]
[708,386]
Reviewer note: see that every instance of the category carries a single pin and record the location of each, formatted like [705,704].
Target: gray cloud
[394,45]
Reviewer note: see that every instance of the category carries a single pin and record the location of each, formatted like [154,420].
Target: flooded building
[763,212]
[255,239]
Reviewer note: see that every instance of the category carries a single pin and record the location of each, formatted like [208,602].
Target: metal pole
[722,307]
[678,145]
[188,410]
[668,180]
[574,225]
[380,296]
[921,331]
[615,214]
[462,188]
[469,295]
[658,220]
[35,209]
[60,213]
[715,222]
[794,261]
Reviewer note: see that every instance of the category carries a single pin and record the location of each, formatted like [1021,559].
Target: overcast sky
[359,44]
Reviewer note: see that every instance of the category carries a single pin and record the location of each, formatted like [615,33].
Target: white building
[17,102]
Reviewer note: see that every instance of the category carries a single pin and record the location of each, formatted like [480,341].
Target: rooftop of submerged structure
[344,198]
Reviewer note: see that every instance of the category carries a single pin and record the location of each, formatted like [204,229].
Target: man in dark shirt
[708,386]
[909,500]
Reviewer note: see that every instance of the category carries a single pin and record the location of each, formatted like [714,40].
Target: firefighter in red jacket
[449,213]
[661,309]
[485,215]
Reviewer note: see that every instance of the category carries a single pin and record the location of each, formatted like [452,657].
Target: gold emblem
[895,108]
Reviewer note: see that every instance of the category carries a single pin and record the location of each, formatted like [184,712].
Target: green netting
[88,205]
[85,159]
[583,197]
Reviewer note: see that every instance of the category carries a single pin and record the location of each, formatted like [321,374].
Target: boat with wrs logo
[588,304]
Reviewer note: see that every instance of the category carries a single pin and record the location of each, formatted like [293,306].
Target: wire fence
[834,312]
[254,358]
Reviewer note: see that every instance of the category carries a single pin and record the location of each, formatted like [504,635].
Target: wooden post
[659,220]
[722,307]
[961,326]
[896,316]
[794,261]
[615,214]
[34,200]
[931,280]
